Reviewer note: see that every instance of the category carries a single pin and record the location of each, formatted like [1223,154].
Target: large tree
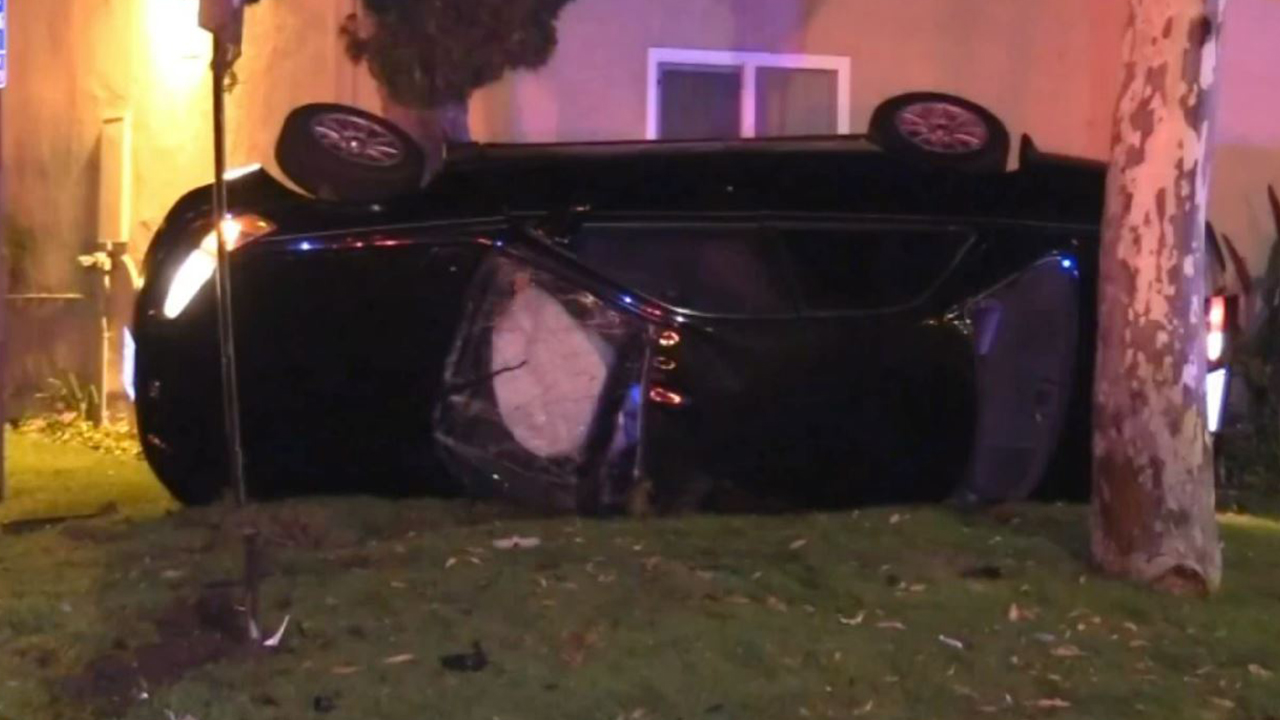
[428,56]
[1153,507]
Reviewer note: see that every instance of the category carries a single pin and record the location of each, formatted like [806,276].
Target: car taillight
[1216,338]
[1220,312]
[201,263]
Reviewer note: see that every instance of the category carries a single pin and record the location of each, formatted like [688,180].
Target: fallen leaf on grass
[1051,703]
[917,588]
[891,625]
[952,642]
[737,599]
[865,708]
[1259,671]
[798,544]
[896,518]
[1138,643]
[1018,614]
[853,621]
[345,669]
[1066,651]
[516,542]
[1222,702]
[399,659]
[450,562]
[775,604]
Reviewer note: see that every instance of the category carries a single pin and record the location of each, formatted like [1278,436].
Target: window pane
[795,102]
[867,269]
[716,270]
[699,103]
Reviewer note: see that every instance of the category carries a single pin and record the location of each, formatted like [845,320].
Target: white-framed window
[715,94]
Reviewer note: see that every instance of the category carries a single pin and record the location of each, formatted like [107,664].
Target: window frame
[747,63]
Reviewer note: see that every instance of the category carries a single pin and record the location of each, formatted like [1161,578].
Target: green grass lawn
[867,614]
[47,479]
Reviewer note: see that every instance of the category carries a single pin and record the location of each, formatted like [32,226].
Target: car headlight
[202,262]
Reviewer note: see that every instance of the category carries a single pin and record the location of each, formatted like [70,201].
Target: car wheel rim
[942,127]
[357,139]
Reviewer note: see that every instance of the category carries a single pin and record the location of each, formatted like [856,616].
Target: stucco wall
[1049,67]
[75,63]
[1247,142]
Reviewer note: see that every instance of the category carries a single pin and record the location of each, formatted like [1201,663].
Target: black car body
[801,322]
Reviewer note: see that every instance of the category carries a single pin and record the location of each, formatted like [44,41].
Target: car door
[860,391]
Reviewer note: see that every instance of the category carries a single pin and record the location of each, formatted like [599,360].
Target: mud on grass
[880,614]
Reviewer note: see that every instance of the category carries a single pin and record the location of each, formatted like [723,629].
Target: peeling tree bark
[1153,502]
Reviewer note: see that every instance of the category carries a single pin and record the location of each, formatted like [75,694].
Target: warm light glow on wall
[180,49]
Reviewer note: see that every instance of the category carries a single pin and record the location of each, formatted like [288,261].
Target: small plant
[67,399]
[72,408]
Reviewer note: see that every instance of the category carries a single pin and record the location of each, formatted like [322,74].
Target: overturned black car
[791,322]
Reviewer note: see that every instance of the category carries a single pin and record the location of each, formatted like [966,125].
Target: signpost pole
[225,20]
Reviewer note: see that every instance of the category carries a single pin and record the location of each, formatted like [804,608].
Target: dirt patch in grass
[191,633]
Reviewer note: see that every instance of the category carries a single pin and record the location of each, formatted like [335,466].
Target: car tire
[336,152]
[941,130]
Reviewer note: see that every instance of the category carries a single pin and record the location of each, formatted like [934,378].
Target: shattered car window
[542,391]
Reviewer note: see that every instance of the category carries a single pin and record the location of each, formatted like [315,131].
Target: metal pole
[226,328]
[222,58]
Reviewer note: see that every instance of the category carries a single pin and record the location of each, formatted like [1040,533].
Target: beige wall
[1247,143]
[76,63]
[1048,66]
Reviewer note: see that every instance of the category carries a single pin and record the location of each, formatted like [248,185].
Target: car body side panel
[828,412]
[346,315]
[340,354]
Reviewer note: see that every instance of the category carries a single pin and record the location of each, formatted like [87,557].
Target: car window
[868,268]
[712,269]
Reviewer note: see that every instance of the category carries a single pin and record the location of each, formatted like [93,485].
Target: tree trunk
[1153,502]
[433,128]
